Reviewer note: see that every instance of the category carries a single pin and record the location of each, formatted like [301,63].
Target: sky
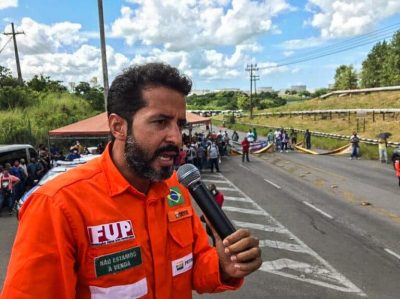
[212,41]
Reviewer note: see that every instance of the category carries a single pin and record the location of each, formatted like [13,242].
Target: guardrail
[308,112]
[323,134]
[363,90]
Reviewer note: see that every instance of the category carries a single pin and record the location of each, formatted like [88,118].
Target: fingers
[239,241]
[243,250]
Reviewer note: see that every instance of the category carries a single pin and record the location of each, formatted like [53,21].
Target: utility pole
[13,33]
[103,52]
[251,68]
[255,78]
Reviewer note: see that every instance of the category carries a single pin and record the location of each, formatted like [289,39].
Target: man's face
[153,144]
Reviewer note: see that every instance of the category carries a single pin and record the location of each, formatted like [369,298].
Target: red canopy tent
[97,126]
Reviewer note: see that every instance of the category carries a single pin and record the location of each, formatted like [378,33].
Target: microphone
[189,176]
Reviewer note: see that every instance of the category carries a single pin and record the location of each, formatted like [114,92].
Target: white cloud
[344,18]
[185,24]
[8,3]
[203,64]
[40,38]
[296,44]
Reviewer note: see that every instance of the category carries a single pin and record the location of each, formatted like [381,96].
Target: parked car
[60,168]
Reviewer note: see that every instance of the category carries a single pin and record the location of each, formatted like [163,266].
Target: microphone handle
[210,208]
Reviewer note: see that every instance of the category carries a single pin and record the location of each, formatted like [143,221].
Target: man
[307,139]
[250,136]
[121,226]
[382,147]
[245,149]
[213,156]
[8,183]
[355,149]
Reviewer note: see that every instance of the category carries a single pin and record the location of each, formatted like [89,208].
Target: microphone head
[188,174]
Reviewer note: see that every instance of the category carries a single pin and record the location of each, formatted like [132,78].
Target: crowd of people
[204,150]
[19,176]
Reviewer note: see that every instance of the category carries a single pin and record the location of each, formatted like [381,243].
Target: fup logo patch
[110,232]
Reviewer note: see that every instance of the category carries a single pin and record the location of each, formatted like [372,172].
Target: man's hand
[239,254]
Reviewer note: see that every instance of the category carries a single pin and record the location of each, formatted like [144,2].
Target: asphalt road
[329,227]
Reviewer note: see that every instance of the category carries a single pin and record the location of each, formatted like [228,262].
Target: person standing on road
[307,139]
[355,147]
[235,136]
[245,149]
[213,156]
[397,169]
[382,147]
[121,226]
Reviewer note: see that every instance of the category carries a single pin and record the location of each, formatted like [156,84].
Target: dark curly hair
[125,96]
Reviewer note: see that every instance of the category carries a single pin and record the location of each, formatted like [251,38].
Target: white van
[10,153]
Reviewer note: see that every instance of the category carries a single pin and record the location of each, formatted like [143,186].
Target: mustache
[167,148]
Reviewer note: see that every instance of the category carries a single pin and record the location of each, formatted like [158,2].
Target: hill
[377,100]
[340,123]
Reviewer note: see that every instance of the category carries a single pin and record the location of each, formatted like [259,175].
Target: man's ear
[118,126]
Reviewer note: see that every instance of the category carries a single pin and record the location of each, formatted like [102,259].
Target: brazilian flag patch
[175,197]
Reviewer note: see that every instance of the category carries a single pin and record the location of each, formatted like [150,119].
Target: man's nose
[174,134]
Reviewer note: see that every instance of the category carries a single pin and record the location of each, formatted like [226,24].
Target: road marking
[392,253]
[245,211]
[226,189]
[318,210]
[244,167]
[273,184]
[233,198]
[307,271]
[266,228]
[284,246]
[215,181]
[321,273]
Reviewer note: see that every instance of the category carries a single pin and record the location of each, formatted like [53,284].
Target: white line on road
[263,227]
[226,189]
[215,181]
[392,253]
[242,199]
[245,211]
[322,264]
[273,184]
[281,265]
[284,246]
[244,167]
[318,210]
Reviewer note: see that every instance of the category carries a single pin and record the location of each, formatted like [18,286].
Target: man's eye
[161,121]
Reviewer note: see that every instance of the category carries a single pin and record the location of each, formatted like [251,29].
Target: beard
[140,160]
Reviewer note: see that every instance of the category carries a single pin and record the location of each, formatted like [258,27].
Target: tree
[243,101]
[6,78]
[94,95]
[345,77]
[43,83]
[393,61]
[374,69]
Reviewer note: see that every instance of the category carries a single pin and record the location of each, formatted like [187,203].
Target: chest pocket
[180,231]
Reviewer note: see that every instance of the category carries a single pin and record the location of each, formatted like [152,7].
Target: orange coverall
[90,234]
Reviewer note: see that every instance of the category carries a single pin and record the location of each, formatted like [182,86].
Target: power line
[351,41]
[337,48]
[1,50]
